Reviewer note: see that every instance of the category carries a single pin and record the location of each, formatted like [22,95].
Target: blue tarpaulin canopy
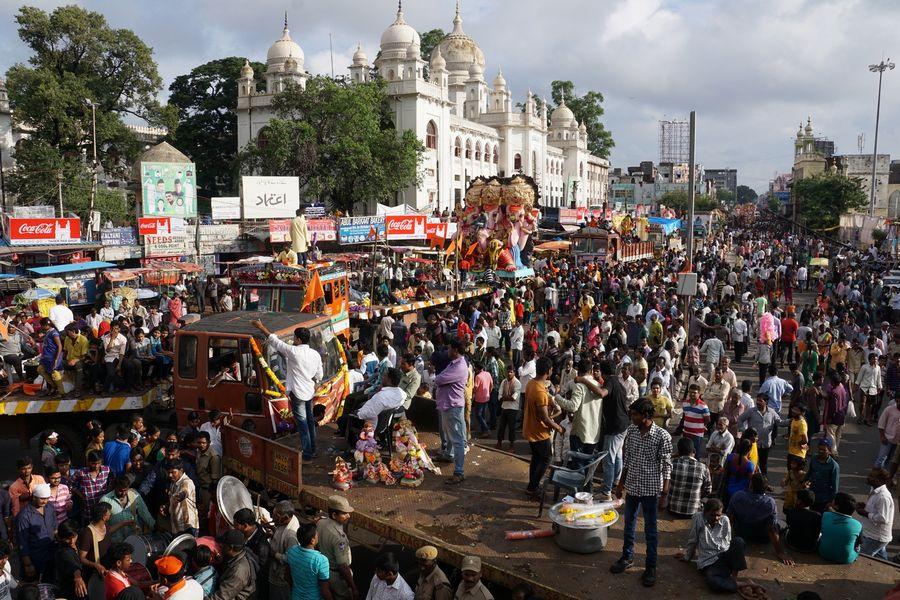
[72,268]
[668,226]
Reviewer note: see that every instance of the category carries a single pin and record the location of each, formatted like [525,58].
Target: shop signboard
[572,216]
[267,197]
[169,189]
[355,230]
[225,209]
[163,245]
[34,212]
[118,236]
[160,226]
[24,232]
[314,211]
[405,227]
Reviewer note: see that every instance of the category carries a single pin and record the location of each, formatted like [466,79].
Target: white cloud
[752,70]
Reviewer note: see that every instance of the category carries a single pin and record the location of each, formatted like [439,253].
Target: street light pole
[880,68]
[90,228]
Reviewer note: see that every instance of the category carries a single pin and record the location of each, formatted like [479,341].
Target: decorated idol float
[497,227]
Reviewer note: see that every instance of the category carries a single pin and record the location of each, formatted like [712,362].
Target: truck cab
[216,366]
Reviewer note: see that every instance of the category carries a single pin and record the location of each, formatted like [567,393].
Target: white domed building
[469,128]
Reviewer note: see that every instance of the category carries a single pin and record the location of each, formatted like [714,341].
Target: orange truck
[217,366]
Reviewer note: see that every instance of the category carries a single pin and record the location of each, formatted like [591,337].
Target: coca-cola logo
[401,224]
[38,229]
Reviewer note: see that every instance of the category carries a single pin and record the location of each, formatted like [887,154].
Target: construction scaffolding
[674,141]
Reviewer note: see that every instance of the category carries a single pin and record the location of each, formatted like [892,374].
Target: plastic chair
[571,480]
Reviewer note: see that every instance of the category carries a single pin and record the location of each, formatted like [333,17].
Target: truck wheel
[71,443]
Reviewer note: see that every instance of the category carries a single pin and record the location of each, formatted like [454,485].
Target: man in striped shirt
[696,417]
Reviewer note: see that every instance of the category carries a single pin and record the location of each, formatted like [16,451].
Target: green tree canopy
[746,194]
[206,101]
[77,57]
[822,199]
[724,197]
[339,139]
[588,109]
[430,40]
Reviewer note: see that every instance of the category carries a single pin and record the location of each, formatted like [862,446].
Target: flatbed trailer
[23,416]
[438,298]
[472,519]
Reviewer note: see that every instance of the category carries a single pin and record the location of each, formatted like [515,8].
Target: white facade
[469,128]
[859,166]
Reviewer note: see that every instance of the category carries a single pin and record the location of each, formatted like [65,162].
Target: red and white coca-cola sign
[405,227]
[160,226]
[22,232]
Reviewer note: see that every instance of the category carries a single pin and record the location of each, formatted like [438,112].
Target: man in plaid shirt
[690,481]
[91,482]
[647,457]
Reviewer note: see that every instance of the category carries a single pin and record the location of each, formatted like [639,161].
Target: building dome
[413,51]
[562,116]
[437,61]
[460,50]
[359,57]
[283,49]
[291,66]
[808,128]
[499,80]
[582,128]
[476,71]
[247,70]
[397,38]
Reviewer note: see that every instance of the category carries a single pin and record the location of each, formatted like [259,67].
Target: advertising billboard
[405,227]
[164,245]
[224,209]
[270,197]
[355,230]
[24,232]
[169,189]
[118,236]
[320,230]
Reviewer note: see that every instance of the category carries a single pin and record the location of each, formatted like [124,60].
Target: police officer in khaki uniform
[333,543]
[471,588]
[433,583]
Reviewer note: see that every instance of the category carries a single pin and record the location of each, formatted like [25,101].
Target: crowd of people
[611,360]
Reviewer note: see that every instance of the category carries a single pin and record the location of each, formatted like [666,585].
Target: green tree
[588,109]
[774,204]
[746,194]
[429,41]
[77,57]
[340,140]
[822,199]
[206,102]
[724,197]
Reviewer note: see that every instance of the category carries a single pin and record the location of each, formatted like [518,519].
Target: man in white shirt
[389,397]
[213,428]
[492,335]
[877,514]
[739,331]
[387,583]
[510,390]
[516,341]
[528,370]
[114,344]
[60,314]
[303,367]
[802,278]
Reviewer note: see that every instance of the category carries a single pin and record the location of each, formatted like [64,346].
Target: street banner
[118,236]
[169,189]
[224,209]
[405,227]
[24,232]
[355,230]
[163,245]
[268,197]
[572,216]
[160,226]
[279,231]
[321,230]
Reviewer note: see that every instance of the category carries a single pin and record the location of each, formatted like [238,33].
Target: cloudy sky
[751,70]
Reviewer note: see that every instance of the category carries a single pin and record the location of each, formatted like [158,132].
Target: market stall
[80,279]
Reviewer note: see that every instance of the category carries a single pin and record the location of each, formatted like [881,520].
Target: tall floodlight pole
[90,233]
[880,68]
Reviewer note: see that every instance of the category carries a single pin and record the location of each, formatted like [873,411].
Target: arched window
[431,136]
[262,139]
[478,151]
[534,164]
[390,76]
[457,148]
[496,156]
[468,148]
[517,162]
[581,169]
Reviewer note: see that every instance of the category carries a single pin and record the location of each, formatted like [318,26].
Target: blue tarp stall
[79,277]
[668,226]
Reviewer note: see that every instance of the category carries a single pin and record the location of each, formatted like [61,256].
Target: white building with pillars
[468,127]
